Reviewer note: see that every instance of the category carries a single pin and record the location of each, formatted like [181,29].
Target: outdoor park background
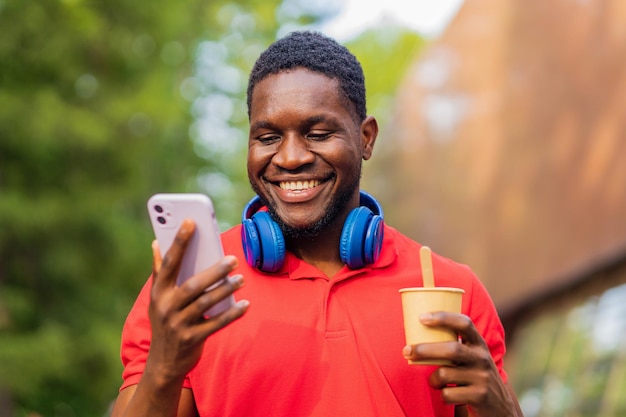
[104,103]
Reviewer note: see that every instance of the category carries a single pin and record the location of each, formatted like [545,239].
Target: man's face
[305,150]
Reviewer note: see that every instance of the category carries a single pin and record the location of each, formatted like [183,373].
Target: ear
[369,132]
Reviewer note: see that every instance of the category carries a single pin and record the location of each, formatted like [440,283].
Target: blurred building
[508,153]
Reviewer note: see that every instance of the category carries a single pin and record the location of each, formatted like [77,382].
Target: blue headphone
[360,244]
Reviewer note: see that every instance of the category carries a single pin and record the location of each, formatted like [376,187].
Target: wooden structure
[508,148]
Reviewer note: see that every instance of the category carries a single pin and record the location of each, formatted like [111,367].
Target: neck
[321,251]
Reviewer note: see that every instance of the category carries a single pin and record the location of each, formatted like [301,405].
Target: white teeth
[299,185]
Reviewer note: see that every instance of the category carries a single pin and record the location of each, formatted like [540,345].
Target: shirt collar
[295,268]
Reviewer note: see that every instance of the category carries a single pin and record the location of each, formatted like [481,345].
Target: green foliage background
[103,103]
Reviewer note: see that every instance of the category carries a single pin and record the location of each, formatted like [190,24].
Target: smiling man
[318,330]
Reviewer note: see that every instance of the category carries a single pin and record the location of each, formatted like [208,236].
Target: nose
[293,152]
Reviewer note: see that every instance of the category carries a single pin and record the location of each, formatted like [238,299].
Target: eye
[268,139]
[318,135]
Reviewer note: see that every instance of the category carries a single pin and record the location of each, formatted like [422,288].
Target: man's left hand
[473,377]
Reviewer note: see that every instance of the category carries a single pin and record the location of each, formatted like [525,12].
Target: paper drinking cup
[419,300]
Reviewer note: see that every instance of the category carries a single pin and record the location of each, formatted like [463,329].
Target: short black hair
[316,52]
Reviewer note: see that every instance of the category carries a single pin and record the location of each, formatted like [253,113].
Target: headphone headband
[370,202]
[252,207]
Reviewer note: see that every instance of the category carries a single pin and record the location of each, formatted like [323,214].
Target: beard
[336,205]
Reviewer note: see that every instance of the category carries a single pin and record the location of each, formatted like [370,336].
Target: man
[323,335]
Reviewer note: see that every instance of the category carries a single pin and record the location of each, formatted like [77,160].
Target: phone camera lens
[161,219]
[158,209]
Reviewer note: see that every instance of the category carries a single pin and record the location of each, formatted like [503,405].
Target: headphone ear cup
[272,242]
[373,243]
[353,235]
[251,243]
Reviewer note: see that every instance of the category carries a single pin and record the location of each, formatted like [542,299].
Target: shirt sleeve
[483,313]
[136,337]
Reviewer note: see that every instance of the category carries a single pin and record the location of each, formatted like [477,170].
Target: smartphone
[167,212]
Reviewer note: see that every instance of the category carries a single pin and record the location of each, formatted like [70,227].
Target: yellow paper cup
[419,300]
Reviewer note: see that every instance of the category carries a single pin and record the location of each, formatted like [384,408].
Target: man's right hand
[179,328]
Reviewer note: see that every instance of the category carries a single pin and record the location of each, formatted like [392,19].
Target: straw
[427,266]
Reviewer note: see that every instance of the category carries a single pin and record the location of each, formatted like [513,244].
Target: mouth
[295,186]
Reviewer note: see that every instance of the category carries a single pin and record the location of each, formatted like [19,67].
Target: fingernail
[406,351]
[243,303]
[155,248]
[426,317]
[230,261]
[237,280]
[187,226]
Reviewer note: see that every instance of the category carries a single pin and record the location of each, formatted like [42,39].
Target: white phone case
[167,212]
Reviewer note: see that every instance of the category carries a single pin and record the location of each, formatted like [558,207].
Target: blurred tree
[385,53]
[97,101]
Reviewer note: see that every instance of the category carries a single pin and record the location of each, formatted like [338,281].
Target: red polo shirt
[314,346]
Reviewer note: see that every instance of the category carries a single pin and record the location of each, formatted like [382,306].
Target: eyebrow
[310,121]
[261,124]
[317,119]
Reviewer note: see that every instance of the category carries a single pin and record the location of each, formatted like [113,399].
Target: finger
[157,260]
[445,376]
[451,351]
[460,323]
[485,395]
[459,394]
[211,298]
[197,285]
[170,264]
[213,324]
